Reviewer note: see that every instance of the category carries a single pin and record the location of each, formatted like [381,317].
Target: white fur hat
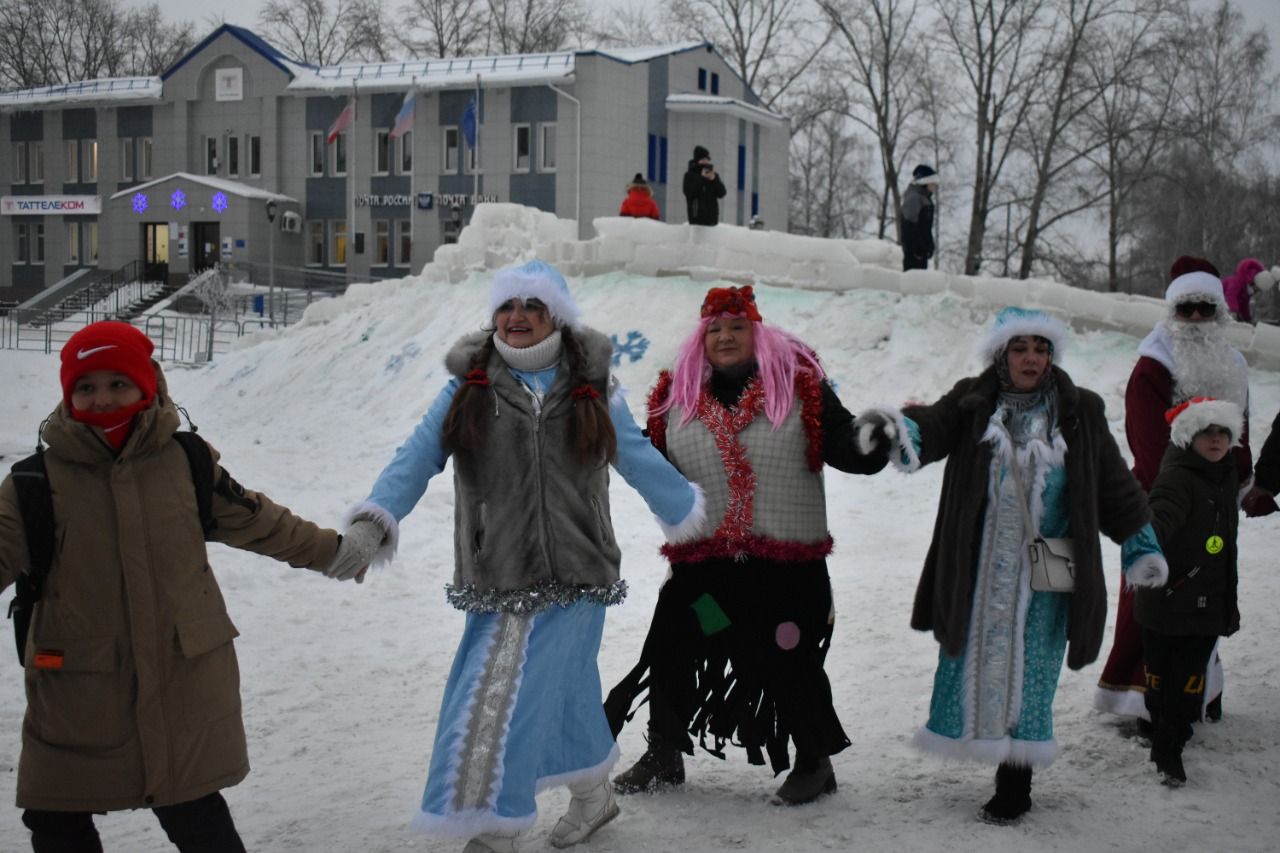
[536,280]
[1187,419]
[1014,323]
[1192,285]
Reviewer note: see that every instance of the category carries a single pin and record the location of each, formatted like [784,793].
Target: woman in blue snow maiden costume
[1022,420]
[532,419]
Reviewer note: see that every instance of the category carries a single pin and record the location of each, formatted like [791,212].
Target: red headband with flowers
[731,300]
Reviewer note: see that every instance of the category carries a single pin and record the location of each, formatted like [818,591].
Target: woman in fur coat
[532,419]
[1021,421]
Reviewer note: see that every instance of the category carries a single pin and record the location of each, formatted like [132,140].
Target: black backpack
[35,501]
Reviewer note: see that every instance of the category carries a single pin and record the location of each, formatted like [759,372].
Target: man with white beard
[1186,355]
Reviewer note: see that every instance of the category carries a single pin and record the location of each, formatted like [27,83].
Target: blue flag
[469,123]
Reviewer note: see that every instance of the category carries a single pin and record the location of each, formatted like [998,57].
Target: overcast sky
[245,13]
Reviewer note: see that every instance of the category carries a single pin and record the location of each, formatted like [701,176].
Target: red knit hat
[108,345]
[731,300]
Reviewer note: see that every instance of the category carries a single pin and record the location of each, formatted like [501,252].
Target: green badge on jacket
[711,618]
[1214,544]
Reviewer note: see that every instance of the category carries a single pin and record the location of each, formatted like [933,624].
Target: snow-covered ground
[342,683]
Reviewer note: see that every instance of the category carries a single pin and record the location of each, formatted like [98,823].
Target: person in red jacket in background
[1186,355]
[639,201]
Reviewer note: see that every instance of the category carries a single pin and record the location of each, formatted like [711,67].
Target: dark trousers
[198,826]
[914,262]
[1175,672]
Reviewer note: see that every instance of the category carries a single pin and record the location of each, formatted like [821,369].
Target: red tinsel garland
[809,390]
[724,426]
[752,546]
[658,423]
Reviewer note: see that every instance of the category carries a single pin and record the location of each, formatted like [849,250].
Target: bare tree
[441,28]
[634,25]
[771,44]
[325,32]
[877,44]
[533,26]
[993,43]
[151,44]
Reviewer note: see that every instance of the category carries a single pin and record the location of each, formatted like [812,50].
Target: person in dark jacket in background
[639,202]
[703,189]
[1193,504]
[917,219]
[1261,498]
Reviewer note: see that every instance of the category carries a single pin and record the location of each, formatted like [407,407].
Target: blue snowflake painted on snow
[634,347]
[178,199]
[220,202]
[397,361]
[140,203]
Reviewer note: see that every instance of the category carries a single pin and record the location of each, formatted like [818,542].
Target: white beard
[1205,365]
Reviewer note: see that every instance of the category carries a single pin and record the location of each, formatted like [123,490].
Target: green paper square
[710,617]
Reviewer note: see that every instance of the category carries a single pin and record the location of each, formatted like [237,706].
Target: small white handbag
[1053,565]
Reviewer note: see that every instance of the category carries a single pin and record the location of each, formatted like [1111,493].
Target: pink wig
[779,357]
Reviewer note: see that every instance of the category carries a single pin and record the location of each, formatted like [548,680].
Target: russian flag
[404,118]
[341,123]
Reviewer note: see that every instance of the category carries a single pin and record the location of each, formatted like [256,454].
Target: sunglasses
[1206,309]
[528,304]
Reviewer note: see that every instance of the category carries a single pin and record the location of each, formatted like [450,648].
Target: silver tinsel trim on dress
[532,599]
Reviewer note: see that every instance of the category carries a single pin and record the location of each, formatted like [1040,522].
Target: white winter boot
[492,842]
[592,807]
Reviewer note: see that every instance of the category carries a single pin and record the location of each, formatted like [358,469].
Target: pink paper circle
[787,636]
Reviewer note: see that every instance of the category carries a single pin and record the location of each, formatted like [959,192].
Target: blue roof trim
[251,40]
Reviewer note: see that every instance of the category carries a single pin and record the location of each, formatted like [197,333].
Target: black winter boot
[812,777]
[1166,752]
[1013,795]
[661,767]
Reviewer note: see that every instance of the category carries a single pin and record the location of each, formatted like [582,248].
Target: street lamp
[271,262]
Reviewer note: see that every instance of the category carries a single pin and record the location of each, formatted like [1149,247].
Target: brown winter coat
[1102,495]
[145,709]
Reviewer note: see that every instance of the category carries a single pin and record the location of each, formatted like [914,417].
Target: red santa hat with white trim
[1187,419]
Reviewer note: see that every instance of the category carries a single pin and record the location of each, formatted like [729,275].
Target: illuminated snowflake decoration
[220,202]
[178,199]
[140,203]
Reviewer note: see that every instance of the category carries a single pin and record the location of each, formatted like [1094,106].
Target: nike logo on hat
[85,353]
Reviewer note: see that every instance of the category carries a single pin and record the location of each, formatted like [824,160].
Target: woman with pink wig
[736,647]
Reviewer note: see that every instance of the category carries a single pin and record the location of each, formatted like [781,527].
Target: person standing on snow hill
[736,647]
[703,189]
[916,227]
[1193,502]
[639,202]
[532,419]
[1026,449]
[1186,355]
[133,691]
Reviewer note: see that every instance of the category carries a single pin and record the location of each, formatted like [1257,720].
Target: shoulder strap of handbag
[1032,533]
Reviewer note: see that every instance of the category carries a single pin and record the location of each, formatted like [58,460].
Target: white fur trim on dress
[1198,416]
[378,515]
[689,527]
[1036,323]
[591,775]
[1034,754]
[1150,571]
[1122,701]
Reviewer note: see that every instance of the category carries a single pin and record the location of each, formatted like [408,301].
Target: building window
[404,238]
[126,159]
[35,162]
[73,243]
[20,163]
[338,245]
[317,154]
[382,243]
[73,161]
[144,157]
[340,155]
[382,152]
[651,170]
[702,79]
[523,142]
[715,84]
[233,156]
[473,158]
[742,168]
[90,161]
[37,242]
[406,153]
[255,155]
[546,148]
[450,151]
[211,155]
[20,244]
[90,233]
[662,159]
[315,243]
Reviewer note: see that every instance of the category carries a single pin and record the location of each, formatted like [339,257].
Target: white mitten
[1151,570]
[874,429]
[359,544]
[1266,279]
